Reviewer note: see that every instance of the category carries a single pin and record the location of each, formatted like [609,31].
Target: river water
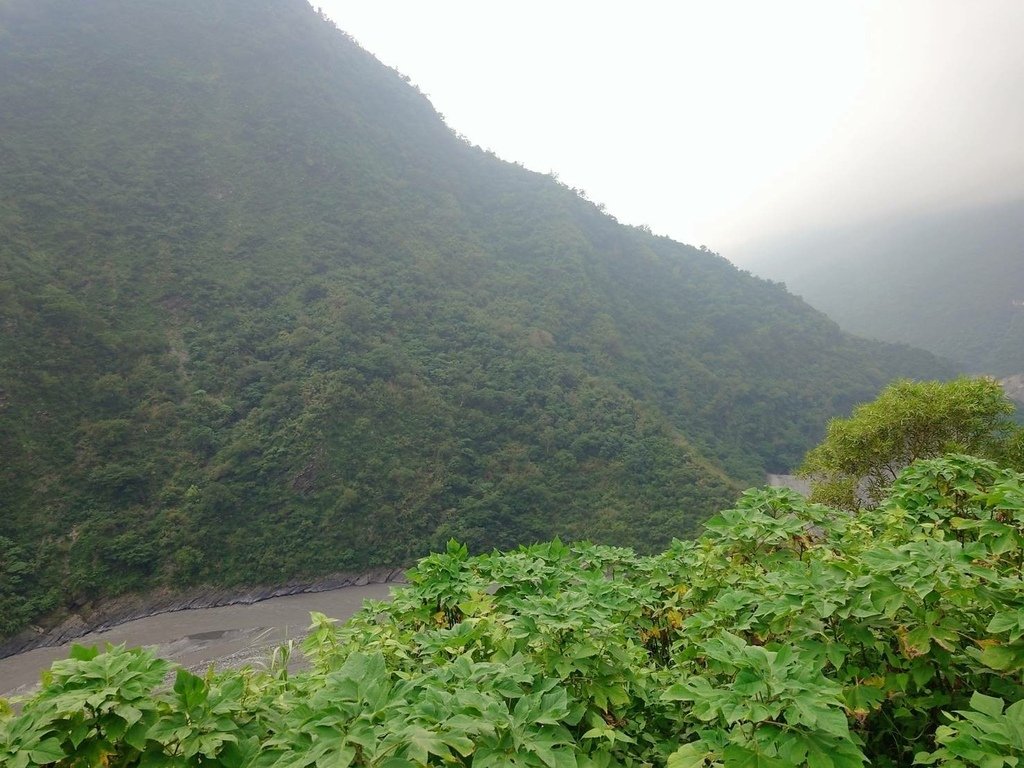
[233,634]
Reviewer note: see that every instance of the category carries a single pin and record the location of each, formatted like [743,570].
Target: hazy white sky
[725,122]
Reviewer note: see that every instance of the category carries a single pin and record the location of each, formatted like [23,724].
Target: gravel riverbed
[230,635]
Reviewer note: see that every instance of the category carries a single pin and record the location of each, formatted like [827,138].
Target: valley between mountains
[266,317]
[269,326]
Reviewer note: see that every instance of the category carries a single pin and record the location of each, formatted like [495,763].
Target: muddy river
[231,635]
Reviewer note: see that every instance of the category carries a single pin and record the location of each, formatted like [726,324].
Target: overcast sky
[727,122]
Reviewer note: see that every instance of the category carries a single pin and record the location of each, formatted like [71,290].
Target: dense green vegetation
[264,316]
[788,634]
[951,282]
[861,455]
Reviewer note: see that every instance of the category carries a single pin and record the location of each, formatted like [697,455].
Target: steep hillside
[264,315]
[952,283]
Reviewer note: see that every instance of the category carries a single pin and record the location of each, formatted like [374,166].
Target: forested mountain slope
[265,316]
[951,282]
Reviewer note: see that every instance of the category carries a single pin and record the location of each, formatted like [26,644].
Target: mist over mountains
[265,316]
[950,281]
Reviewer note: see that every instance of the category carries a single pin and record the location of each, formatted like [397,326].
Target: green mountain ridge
[265,316]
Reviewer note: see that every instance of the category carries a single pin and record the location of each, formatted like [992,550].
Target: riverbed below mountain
[229,635]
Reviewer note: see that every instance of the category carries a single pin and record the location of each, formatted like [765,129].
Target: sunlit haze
[730,122]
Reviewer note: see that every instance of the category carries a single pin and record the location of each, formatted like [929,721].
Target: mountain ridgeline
[265,316]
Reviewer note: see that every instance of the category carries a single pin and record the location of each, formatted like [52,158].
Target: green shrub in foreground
[789,634]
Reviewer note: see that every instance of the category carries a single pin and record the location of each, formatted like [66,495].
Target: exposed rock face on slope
[266,317]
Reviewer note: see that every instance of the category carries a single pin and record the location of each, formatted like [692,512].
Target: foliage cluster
[264,316]
[788,634]
[862,455]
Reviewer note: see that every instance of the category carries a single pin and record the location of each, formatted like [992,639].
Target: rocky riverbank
[112,613]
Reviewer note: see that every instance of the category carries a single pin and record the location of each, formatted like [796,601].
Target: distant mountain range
[265,317]
[950,282]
